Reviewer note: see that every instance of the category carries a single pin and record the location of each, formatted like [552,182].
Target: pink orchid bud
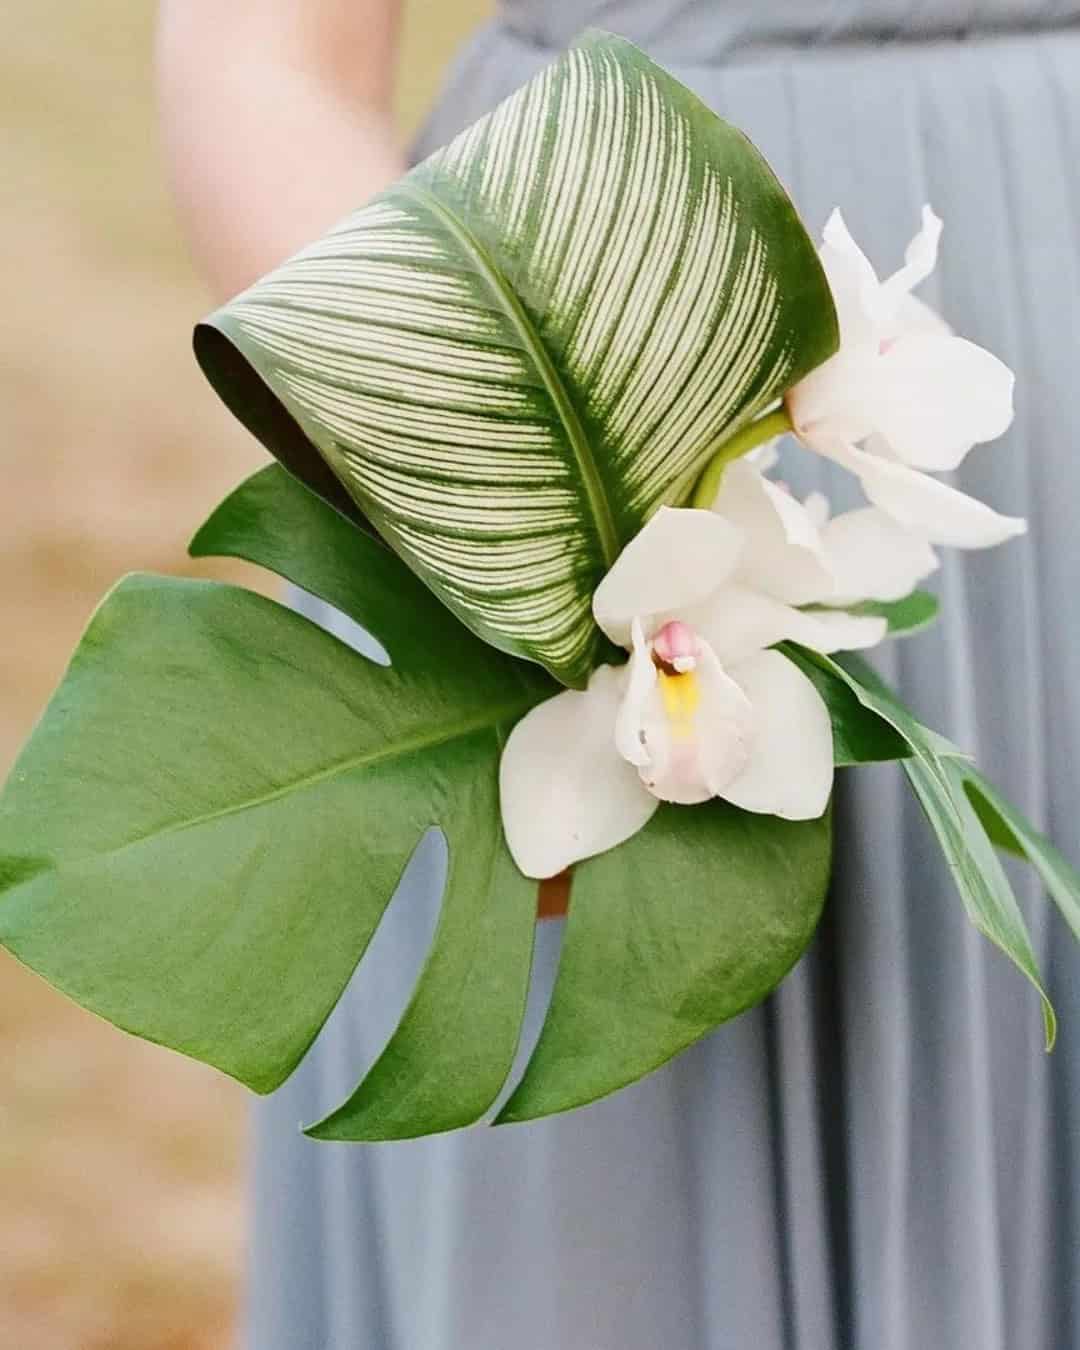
[676,645]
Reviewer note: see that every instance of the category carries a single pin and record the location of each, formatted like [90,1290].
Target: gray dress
[882,1157]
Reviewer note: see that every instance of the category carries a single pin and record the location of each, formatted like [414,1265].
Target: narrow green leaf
[904,617]
[202,834]
[873,693]
[937,772]
[691,922]
[984,888]
[515,354]
[860,735]
[1008,828]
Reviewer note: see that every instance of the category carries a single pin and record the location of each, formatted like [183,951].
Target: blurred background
[121,1166]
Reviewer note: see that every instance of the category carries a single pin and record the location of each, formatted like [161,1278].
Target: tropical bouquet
[524,407]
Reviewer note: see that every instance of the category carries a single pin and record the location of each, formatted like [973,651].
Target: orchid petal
[790,769]
[936,397]
[696,729]
[678,558]
[783,553]
[852,280]
[837,631]
[833,397]
[933,510]
[725,723]
[874,558]
[640,683]
[565,792]
[915,316]
[920,259]
[836,399]
[739,621]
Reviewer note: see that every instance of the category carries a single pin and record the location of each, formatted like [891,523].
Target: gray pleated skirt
[882,1157]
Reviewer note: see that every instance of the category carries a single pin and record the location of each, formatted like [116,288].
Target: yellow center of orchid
[681,694]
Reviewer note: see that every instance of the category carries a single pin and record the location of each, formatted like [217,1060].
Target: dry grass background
[121,1176]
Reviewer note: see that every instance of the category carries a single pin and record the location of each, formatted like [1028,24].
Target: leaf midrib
[490,720]
[599,505]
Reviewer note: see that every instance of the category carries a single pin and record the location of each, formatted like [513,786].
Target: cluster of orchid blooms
[705,707]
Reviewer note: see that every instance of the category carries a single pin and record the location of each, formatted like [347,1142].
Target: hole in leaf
[368,1012]
[339,625]
[545,964]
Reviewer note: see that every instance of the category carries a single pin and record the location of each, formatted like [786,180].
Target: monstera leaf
[202,835]
[499,368]
[691,922]
[510,358]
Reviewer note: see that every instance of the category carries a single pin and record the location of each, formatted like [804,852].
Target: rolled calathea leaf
[512,356]
[495,389]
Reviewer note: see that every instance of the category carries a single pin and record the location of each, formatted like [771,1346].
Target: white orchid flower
[903,394]
[869,555]
[796,553]
[701,709]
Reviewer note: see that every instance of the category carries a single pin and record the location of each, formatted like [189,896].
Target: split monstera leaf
[483,385]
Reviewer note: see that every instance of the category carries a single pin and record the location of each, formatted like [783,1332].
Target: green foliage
[694,920]
[984,888]
[201,838]
[905,617]
[515,354]
[202,835]
[271,520]
[938,773]
[1008,829]
[499,368]
[860,734]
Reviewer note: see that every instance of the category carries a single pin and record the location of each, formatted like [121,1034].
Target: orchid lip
[676,648]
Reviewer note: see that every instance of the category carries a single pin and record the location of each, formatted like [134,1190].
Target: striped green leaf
[510,358]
